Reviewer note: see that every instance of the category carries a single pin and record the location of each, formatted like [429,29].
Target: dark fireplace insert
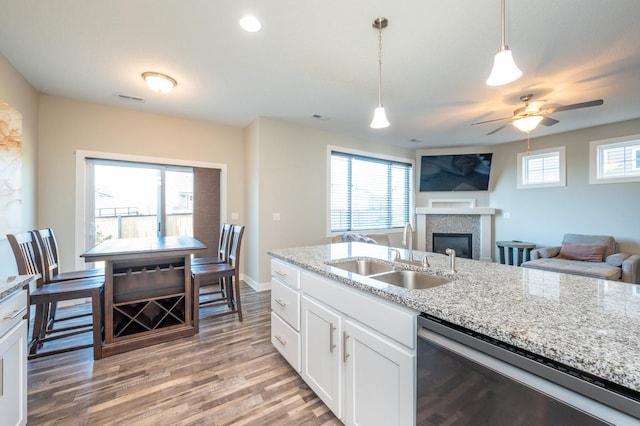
[461,243]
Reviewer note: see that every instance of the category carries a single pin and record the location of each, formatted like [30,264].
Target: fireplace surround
[460,216]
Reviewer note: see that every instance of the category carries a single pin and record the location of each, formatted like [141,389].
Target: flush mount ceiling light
[250,24]
[158,82]
[504,69]
[379,116]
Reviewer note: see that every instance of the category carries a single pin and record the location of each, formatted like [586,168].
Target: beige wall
[292,164]
[18,93]
[67,125]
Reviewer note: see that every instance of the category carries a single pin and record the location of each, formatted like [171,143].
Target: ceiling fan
[527,117]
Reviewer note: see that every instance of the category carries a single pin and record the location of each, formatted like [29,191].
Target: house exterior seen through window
[615,160]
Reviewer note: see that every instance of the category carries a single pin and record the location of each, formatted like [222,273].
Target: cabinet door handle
[281,340]
[345,336]
[15,313]
[282,274]
[280,302]
[332,345]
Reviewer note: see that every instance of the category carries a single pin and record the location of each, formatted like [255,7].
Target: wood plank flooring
[229,374]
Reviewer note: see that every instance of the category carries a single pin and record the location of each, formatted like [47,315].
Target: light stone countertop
[9,285]
[589,324]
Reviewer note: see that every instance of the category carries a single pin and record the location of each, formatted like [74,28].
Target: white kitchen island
[587,324]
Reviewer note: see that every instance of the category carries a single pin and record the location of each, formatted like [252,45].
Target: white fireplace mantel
[457,207]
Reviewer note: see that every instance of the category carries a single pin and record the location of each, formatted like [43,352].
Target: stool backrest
[234,250]
[225,239]
[49,245]
[26,251]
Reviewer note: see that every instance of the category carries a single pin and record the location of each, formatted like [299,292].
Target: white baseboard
[255,285]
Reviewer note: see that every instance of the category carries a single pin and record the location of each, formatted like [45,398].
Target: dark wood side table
[523,251]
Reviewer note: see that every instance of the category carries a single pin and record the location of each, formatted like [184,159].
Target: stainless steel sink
[412,279]
[363,267]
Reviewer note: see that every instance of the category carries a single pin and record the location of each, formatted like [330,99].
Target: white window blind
[619,160]
[542,168]
[368,193]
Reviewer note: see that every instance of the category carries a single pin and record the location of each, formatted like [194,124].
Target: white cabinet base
[13,376]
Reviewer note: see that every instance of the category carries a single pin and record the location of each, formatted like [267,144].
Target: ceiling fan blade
[491,121]
[548,121]
[496,130]
[575,106]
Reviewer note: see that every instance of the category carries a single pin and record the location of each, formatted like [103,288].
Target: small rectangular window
[368,193]
[544,168]
[615,160]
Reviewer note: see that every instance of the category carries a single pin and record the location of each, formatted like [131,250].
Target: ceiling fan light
[379,119]
[160,83]
[527,124]
[504,69]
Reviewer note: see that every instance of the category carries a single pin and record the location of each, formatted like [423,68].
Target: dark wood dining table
[147,293]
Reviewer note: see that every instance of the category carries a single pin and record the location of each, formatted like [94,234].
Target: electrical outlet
[506,215]
[235,216]
[276,217]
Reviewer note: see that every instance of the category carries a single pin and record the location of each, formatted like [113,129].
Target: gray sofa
[587,255]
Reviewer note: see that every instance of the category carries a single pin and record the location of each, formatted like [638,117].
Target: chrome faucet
[408,230]
[425,261]
[452,259]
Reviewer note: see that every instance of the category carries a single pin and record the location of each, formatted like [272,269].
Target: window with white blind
[368,193]
[615,160]
[540,169]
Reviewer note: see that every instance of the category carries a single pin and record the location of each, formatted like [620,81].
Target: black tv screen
[465,172]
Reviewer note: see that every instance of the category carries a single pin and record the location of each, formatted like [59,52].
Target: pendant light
[379,116]
[504,69]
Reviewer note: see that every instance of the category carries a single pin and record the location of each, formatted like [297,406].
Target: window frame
[562,168]
[374,157]
[596,168]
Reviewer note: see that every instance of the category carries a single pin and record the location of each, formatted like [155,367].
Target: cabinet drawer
[286,340]
[286,303]
[285,273]
[12,309]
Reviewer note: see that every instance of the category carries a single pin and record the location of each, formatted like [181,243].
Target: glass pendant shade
[160,83]
[379,119]
[504,69]
[527,124]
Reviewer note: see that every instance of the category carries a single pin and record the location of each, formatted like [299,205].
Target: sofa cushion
[604,240]
[616,259]
[600,270]
[582,251]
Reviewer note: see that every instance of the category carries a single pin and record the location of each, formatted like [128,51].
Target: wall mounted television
[463,172]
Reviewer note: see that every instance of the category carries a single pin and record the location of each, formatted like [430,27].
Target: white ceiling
[320,57]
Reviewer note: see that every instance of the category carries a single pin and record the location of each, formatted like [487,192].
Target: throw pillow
[582,251]
[617,259]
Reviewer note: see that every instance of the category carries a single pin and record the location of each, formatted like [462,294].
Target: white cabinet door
[321,352]
[13,376]
[379,379]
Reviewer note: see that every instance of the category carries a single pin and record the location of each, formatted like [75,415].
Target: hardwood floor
[229,374]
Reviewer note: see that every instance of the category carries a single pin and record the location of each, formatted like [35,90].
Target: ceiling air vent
[130,98]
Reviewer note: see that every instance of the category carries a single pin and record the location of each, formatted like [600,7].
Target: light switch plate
[276,217]
[235,216]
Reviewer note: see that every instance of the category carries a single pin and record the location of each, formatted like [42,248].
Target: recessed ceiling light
[250,24]
[160,83]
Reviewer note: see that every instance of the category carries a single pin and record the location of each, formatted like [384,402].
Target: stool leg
[510,251]
[96,308]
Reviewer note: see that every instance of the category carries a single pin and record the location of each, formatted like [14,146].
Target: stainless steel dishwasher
[464,378]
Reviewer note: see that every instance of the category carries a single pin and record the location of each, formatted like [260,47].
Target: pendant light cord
[380,65]
[502,46]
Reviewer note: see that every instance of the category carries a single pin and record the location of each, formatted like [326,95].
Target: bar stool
[229,272]
[28,255]
[522,249]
